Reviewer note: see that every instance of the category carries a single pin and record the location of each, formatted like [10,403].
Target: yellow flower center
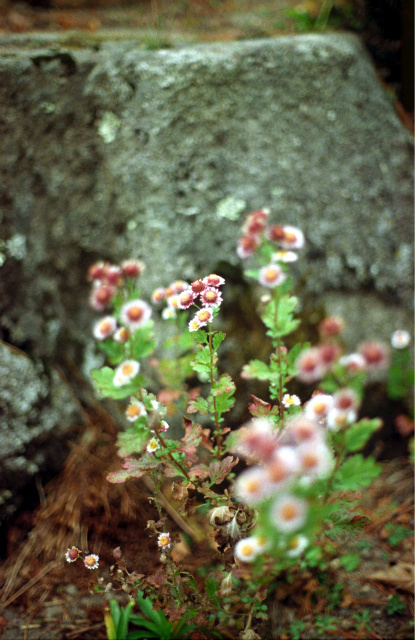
[127,369]
[270,274]
[135,313]
[310,460]
[204,315]
[247,549]
[252,485]
[133,411]
[289,511]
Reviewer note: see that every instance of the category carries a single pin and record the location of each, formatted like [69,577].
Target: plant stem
[175,462]
[215,411]
[340,456]
[278,352]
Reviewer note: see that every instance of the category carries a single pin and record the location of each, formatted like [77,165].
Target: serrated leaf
[224,403]
[200,471]
[356,472]
[218,337]
[201,362]
[200,405]
[256,369]
[191,439]
[104,382]
[293,354]
[113,350]
[219,470]
[279,316]
[131,441]
[142,342]
[225,384]
[133,468]
[358,434]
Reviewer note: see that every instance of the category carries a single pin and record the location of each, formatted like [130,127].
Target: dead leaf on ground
[400,575]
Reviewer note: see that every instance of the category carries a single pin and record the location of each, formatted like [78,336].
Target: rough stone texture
[36,414]
[121,151]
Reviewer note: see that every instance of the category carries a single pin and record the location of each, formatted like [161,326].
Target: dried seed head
[72,554]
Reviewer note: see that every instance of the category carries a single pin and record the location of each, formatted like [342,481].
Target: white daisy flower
[125,372]
[289,513]
[135,313]
[246,550]
[153,446]
[400,339]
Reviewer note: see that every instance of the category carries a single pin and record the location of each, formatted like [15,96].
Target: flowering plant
[294,457]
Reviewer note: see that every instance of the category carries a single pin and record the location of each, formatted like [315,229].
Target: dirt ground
[45,598]
[194,20]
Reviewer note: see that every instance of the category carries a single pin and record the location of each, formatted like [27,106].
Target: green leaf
[292,356]
[395,605]
[200,405]
[256,369]
[400,375]
[104,382]
[146,607]
[350,561]
[225,384]
[398,533]
[136,635]
[224,403]
[201,362]
[109,625]
[115,351]
[134,440]
[147,624]
[115,613]
[358,434]
[356,472]
[278,316]
[218,337]
[142,342]
[122,628]
[252,273]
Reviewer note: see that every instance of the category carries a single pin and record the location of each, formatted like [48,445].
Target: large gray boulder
[120,152]
[113,152]
[37,412]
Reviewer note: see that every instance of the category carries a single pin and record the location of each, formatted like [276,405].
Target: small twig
[170,509]
[75,634]
[31,582]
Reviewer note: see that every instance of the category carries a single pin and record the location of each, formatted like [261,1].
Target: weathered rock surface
[113,152]
[36,414]
[121,151]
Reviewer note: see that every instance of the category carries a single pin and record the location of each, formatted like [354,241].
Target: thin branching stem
[279,360]
[175,462]
[215,410]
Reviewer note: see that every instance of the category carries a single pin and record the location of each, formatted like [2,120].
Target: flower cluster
[91,560]
[204,294]
[288,239]
[107,277]
[372,357]
[297,453]
[284,466]
[113,285]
